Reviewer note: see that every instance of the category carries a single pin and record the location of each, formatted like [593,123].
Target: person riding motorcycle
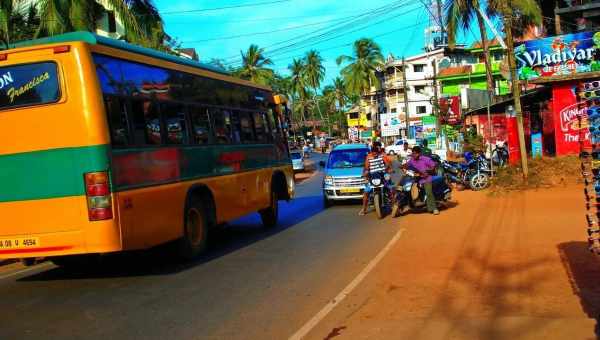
[425,167]
[376,161]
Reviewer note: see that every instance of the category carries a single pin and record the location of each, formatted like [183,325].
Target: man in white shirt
[405,152]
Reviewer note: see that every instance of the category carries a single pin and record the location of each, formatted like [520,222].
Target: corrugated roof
[453,71]
[492,42]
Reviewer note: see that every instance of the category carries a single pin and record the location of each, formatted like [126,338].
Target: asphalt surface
[252,284]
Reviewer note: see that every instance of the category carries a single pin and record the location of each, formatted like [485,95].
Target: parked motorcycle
[381,194]
[475,172]
[410,195]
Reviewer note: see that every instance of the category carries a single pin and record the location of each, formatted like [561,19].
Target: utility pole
[436,103]
[516,86]
[407,114]
[441,22]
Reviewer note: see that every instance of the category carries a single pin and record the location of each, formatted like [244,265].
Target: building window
[353,115]
[394,110]
[112,22]
[368,116]
[418,68]
[419,88]
[421,109]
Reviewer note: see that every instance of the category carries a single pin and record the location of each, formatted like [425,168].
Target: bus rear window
[28,84]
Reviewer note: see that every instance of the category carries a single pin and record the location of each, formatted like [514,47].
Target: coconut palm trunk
[486,55]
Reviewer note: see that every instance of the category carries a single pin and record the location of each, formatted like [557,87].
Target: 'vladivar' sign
[557,56]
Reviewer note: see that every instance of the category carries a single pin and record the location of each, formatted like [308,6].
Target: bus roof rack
[95,39]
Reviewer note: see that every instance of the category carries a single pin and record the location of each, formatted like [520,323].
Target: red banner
[450,109]
[570,118]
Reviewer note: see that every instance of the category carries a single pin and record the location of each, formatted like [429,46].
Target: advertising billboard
[450,110]
[390,124]
[558,56]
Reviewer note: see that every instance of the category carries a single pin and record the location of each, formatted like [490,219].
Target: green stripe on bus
[49,173]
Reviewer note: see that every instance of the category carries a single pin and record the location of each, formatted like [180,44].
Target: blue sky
[284,25]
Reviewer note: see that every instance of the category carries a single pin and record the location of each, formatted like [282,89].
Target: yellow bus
[107,146]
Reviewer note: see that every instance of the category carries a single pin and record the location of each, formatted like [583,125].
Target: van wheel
[195,229]
[270,215]
[327,203]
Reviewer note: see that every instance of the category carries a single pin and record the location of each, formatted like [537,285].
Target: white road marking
[312,323]
[41,266]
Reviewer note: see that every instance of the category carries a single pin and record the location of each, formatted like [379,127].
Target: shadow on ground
[160,260]
[583,270]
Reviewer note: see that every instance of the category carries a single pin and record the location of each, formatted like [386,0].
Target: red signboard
[450,109]
[570,118]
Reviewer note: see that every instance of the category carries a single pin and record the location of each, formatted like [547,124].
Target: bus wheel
[195,230]
[269,216]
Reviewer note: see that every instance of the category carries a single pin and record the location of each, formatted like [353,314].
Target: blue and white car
[297,161]
[343,173]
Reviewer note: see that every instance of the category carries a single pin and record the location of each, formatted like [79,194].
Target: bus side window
[246,127]
[260,127]
[222,124]
[235,126]
[200,124]
[174,116]
[146,123]
[273,123]
[117,121]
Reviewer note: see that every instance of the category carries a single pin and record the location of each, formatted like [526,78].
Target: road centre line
[314,321]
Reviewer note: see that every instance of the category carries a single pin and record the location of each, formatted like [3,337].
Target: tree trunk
[486,54]
[516,87]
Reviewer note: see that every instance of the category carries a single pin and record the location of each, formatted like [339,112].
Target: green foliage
[254,66]
[473,143]
[360,73]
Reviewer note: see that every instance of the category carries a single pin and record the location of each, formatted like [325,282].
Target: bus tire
[270,215]
[195,229]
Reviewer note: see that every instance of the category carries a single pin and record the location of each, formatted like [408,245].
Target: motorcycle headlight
[328,180]
[387,177]
[376,181]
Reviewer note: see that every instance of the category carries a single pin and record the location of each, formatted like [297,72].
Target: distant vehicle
[343,173]
[297,161]
[395,148]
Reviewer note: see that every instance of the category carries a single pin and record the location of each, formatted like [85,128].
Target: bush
[547,172]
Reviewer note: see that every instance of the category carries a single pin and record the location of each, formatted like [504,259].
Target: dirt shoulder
[515,266]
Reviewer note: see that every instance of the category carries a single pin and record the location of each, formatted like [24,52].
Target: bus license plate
[19,242]
[349,190]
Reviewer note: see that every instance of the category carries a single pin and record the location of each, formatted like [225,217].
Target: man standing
[425,167]
[376,161]
[404,153]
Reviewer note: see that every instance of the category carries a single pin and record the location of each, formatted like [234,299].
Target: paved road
[252,284]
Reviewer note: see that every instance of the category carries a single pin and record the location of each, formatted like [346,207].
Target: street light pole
[516,86]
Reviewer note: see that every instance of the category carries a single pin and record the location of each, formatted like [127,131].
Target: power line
[255,4]
[350,19]
[265,32]
[326,36]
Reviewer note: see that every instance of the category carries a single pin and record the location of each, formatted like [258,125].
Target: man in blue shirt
[425,167]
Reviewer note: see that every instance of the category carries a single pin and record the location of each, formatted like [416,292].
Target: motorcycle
[410,194]
[381,194]
[475,172]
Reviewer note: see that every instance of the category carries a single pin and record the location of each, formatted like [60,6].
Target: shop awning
[500,105]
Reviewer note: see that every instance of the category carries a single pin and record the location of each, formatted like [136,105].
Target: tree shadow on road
[160,260]
[583,271]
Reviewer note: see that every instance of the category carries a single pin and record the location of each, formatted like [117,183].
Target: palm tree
[140,18]
[254,65]
[361,72]
[18,21]
[298,85]
[339,88]
[314,72]
[460,14]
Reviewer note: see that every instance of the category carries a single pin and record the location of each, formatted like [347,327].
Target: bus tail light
[3,56]
[62,49]
[97,190]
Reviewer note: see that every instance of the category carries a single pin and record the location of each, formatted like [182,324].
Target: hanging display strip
[589,127]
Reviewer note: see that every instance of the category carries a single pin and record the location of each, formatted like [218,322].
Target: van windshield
[28,84]
[347,159]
